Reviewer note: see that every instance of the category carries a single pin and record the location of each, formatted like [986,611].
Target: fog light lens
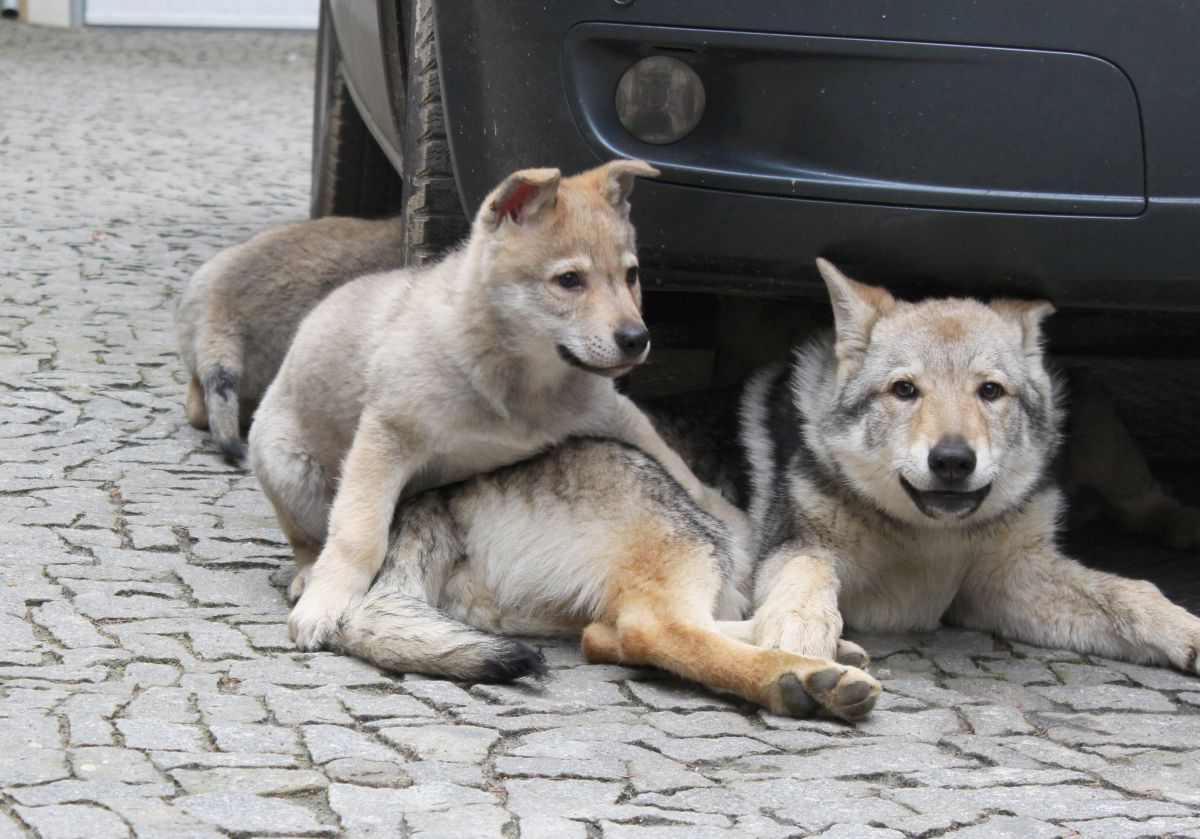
[660,100]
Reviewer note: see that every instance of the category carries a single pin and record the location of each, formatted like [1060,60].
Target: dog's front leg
[379,464]
[1042,597]
[627,423]
[796,597]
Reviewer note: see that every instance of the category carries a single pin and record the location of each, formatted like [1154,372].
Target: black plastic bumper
[1002,146]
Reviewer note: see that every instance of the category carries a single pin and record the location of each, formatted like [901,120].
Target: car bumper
[1020,148]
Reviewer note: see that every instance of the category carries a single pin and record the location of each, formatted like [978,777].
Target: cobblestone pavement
[146,681]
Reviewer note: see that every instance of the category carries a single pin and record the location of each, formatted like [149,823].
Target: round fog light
[660,100]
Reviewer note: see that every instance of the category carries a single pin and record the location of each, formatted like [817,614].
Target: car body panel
[1081,186]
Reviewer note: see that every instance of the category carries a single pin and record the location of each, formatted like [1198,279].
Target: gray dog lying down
[897,475]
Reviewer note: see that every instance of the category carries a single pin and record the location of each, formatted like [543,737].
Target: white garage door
[257,14]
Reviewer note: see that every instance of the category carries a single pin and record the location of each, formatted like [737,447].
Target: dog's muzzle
[946,504]
[613,372]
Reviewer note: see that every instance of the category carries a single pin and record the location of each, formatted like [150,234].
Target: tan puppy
[403,381]
[240,311]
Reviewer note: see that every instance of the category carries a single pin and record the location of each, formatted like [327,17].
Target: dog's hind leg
[600,644]
[397,625]
[220,374]
[300,492]
[197,414]
[305,548]
[660,610]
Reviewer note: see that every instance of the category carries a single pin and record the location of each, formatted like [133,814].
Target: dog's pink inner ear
[512,204]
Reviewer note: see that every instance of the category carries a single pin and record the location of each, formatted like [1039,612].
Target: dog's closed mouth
[940,504]
[612,372]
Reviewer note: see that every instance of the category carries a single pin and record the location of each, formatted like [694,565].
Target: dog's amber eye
[904,389]
[631,277]
[991,391]
[571,281]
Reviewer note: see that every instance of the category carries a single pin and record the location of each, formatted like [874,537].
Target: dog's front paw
[313,623]
[844,692]
[799,633]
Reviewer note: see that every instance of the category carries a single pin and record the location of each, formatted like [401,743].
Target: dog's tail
[405,634]
[221,377]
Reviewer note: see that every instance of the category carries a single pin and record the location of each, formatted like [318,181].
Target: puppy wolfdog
[593,535]
[238,314]
[403,381]
[900,475]
[897,474]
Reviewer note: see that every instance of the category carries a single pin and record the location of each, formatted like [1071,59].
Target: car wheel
[351,176]
[433,214]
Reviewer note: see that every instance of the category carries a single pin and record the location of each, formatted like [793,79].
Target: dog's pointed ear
[856,308]
[617,179]
[1028,315]
[522,197]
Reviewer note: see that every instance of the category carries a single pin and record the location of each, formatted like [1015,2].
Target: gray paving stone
[155,734]
[453,743]
[1086,674]
[330,742]
[1174,783]
[1123,828]
[67,626]
[1165,730]
[249,780]
[292,706]
[174,760]
[252,814]
[859,831]
[365,808]
[1010,827]
[993,720]
[366,706]
[112,764]
[254,737]
[614,830]
[1105,697]
[473,821]
[222,709]
[597,769]
[371,773]
[73,821]
[897,757]
[675,696]
[1050,803]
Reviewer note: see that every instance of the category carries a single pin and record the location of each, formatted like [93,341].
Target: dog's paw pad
[796,699]
[848,693]
[823,681]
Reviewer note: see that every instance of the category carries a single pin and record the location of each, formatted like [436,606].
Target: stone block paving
[147,686]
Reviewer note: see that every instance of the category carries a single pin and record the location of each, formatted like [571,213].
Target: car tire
[351,176]
[433,214]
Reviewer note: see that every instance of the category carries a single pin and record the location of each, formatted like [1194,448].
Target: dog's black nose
[632,339]
[952,459]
